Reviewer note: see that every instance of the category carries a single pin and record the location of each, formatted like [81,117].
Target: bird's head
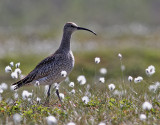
[71,27]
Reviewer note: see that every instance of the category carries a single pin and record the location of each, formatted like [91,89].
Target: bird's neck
[65,43]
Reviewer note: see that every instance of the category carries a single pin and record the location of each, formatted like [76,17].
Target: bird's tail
[18,84]
[24,81]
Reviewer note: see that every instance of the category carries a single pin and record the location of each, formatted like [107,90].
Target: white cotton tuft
[37,84]
[14,75]
[26,94]
[51,120]
[102,123]
[81,80]
[103,71]
[11,64]
[85,99]
[61,95]
[150,70]
[120,56]
[138,79]
[8,69]
[111,87]
[38,99]
[4,86]
[71,123]
[17,118]
[142,117]
[63,73]
[17,65]
[130,78]
[1,90]
[71,84]
[12,87]
[146,106]
[97,60]
[102,79]
[18,71]
[73,91]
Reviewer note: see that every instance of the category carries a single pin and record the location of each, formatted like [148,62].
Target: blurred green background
[31,30]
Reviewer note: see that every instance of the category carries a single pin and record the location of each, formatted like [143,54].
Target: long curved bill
[81,28]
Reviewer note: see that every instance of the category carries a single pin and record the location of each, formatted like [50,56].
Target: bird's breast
[66,62]
[72,58]
[69,62]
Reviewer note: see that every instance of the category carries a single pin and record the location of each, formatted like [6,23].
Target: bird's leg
[48,94]
[49,91]
[57,92]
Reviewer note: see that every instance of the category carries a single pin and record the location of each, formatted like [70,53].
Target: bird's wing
[43,69]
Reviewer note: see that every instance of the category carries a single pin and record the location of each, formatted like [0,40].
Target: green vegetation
[104,105]
[135,61]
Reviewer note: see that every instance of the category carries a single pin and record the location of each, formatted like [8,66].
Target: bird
[48,71]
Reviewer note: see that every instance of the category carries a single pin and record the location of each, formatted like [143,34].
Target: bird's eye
[72,26]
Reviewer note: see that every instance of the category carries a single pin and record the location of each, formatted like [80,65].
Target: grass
[135,61]
[104,105]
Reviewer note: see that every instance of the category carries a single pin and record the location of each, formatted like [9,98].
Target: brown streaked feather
[29,78]
[39,71]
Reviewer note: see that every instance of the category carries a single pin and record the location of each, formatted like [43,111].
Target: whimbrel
[48,71]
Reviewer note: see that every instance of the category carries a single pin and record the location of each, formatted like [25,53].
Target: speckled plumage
[48,71]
